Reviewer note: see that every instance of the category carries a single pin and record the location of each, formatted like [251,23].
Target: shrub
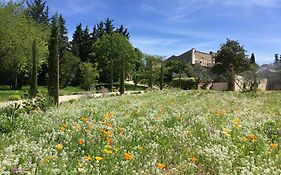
[88,75]
[14,97]
[8,118]
[186,83]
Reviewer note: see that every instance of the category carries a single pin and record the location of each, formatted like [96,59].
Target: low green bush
[14,97]
[186,83]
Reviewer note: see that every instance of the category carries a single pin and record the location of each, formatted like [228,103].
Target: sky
[172,27]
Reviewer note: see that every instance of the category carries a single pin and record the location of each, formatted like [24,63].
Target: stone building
[196,57]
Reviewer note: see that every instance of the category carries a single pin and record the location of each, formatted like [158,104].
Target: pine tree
[253,59]
[33,80]
[77,40]
[86,45]
[53,61]
[100,29]
[39,11]
[123,31]
[109,28]
[62,37]
[94,35]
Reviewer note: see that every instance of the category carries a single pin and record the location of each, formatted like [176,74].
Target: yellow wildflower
[244,139]
[140,148]
[193,159]
[128,156]
[236,122]
[161,165]
[81,142]
[59,147]
[274,145]
[107,151]
[98,158]
[252,136]
[88,158]
[85,119]
[65,125]
[226,132]
[62,129]
[108,146]
[76,127]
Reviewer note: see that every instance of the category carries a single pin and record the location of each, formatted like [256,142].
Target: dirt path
[73,97]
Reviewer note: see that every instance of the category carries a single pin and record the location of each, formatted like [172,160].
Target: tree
[230,60]
[53,61]
[69,65]
[108,26]
[33,81]
[123,31]
[77,40]
[276,60]
[253,59]
[86,45]
[63,44]
[39,11]
[138,66]
[88,74]
[16,40]
[113,49]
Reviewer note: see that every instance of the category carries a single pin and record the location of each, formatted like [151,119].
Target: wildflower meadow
[170,132]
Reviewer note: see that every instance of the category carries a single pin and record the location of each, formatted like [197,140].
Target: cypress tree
[253,59]
[276,60]
[33,80]
[53,62]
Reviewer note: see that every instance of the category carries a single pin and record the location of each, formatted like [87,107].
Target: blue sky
[171,27]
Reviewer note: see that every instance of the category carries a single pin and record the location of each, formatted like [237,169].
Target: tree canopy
[231,58]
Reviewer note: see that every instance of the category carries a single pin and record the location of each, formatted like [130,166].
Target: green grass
[188,132]
[5,91]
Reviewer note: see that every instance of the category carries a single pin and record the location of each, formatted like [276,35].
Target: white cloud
[78,7]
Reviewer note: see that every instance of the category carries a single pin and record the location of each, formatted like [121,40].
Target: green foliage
[195,132]
[14,97]
[16,40]
[250,79]
[114,55]
[9,117]
[53,61]
[89,75]
[34,72]
[184,83]
[39,11]
[231,59]
[69,65]
[81,43]
[253,59]
[200,74]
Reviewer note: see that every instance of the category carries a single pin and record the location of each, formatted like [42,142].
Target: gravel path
[73,97]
